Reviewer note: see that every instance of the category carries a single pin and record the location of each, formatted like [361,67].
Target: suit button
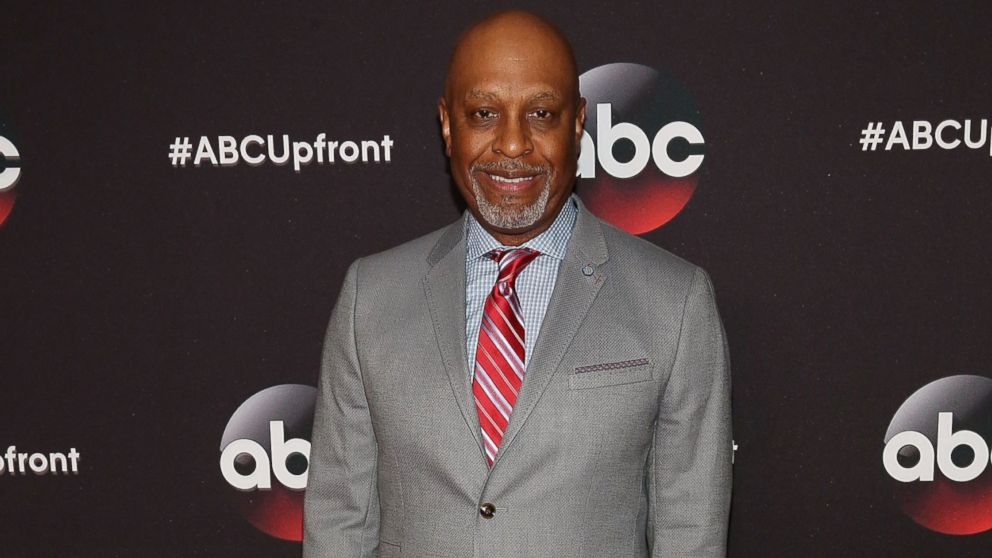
[487,510]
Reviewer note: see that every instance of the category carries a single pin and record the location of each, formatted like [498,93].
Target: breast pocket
[610,374]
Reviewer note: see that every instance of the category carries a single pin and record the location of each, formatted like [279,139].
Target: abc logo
[249,454]
[936,448]
[640,170]
[10,173]
[608,134]
[265,454]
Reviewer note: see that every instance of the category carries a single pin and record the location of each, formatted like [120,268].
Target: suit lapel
[444,286]
[579,280]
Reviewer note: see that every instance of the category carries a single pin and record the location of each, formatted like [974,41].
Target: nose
[513,139]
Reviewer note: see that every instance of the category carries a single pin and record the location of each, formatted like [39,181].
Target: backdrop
[183,188]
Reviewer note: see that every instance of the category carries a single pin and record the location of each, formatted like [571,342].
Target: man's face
[512,126]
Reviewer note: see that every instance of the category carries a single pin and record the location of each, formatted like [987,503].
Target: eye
[542,114]
[483,114]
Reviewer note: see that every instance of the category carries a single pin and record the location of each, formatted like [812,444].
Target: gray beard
[506,218]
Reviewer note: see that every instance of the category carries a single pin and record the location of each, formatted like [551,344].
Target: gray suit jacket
[619,444]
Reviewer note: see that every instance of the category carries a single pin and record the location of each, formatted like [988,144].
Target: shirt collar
[552,242]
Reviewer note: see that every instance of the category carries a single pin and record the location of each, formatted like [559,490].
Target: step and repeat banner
[183,188]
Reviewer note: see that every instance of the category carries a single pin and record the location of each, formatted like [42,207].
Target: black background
[140,304]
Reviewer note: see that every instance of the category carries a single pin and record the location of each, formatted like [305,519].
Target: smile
[505,180]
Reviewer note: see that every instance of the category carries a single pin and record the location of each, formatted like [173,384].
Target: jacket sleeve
[341,506]
[689,471]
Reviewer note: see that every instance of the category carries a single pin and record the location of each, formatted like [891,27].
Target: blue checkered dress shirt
[534,284]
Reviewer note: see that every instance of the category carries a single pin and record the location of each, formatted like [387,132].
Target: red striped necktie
[499,357]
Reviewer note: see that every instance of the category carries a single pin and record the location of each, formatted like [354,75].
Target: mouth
[510,182]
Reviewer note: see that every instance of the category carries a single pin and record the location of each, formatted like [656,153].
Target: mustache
[509,165]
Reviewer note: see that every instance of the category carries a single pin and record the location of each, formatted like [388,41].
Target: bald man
[528,381]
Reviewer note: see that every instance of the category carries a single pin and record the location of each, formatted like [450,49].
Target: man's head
[511,117]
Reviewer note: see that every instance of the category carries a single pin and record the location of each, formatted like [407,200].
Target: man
[528,381]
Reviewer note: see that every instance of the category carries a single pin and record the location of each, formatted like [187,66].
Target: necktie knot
[512,262]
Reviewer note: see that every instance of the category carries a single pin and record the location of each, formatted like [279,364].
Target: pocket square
[611,366]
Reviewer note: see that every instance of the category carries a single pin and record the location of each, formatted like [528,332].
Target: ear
[442,112]
[580,120]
